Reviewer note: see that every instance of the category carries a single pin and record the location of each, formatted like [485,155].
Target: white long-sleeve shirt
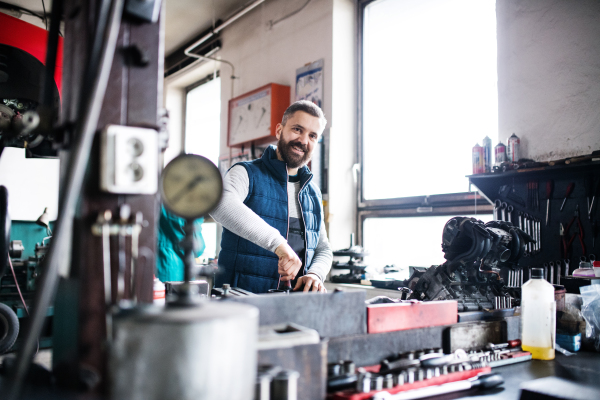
[234,215]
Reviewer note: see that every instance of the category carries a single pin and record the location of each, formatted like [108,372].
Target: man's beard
[292,159]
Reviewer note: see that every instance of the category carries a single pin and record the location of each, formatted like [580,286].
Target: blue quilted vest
[248,266]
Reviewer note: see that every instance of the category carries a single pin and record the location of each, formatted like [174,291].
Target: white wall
[263,55]
[549,76]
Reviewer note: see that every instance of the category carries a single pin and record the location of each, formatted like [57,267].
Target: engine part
[140,369]
[477,255]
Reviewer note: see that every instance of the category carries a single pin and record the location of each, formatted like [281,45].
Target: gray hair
[306,106]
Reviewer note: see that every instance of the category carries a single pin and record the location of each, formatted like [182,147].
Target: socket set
[418,370]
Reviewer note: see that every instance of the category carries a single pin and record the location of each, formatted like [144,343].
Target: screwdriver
[549,190]
[569,191]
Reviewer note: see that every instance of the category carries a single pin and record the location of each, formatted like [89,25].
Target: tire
[9,328]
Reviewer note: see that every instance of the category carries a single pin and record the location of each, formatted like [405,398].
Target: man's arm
[234,215]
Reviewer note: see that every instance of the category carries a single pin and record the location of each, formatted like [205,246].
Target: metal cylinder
[285,385]
[262,390]
[184,353]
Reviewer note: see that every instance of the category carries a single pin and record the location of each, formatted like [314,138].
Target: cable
[21,296]
[45,19]
[273,23]
[27,11]
[17,285]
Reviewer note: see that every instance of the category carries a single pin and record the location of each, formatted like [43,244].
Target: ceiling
[185,19]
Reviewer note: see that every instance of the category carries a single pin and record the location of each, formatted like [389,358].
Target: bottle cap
[537,273]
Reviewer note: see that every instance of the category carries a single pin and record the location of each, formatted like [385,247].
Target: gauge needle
[189,187]
[264,110]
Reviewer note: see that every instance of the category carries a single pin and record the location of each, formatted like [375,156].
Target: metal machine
[478,257]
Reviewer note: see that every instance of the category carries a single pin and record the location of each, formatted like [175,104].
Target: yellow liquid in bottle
[540,353]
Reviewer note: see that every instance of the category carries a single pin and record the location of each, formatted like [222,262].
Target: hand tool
[481,381]
[537,195]
[568,241]
[509,211]
[559,271]
[567,270]
[497,205]
[595,192]
[549,190]
[567,194]
[503,208]
[551,272]
[546,266]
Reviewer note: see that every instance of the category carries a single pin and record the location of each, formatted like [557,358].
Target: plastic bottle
[538,316]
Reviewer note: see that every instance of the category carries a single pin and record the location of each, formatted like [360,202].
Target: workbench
[582,368]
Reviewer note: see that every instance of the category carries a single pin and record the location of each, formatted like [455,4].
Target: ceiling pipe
[222,26]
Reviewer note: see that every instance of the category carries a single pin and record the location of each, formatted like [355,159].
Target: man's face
[297,139]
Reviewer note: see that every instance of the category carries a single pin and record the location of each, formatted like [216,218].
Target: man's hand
[289,263]
[310,281]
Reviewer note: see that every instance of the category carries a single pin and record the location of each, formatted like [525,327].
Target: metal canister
[500,153]
[170,353]
[478,159]
[514,144]
[487,153]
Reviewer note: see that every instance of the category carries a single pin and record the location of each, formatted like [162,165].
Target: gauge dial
[191,186]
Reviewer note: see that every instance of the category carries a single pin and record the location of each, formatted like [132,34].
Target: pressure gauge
[191,186]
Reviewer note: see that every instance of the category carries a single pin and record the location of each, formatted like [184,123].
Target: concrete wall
[549,76]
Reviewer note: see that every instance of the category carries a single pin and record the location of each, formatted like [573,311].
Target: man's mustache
[299,145]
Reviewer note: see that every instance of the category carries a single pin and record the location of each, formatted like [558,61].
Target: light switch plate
[129,160]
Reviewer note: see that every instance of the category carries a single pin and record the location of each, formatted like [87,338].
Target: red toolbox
[402,316]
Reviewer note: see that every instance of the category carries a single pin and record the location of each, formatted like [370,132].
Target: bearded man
[272,214]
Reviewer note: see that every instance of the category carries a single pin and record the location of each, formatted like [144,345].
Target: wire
[17,285]
[273,23]
[27,11]
[45,19]
[21,296]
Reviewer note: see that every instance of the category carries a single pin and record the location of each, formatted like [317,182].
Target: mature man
[272,213]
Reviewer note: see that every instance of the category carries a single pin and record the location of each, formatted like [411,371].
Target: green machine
[26,243]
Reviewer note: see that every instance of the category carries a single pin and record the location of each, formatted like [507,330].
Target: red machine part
[401,316]
[438,380]
[31,39]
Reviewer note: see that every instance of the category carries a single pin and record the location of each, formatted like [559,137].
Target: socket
[129,160]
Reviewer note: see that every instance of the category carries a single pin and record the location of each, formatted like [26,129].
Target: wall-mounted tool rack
[523,192]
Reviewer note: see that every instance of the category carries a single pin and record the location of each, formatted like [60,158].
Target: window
[203,118]
[428,94]
[202,136]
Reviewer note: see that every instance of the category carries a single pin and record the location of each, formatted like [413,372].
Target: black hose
[77,162]
[51,52]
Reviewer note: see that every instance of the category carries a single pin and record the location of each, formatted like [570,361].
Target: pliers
[567,242]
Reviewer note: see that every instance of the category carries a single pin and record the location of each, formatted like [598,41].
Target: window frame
[414,206]
[187,90]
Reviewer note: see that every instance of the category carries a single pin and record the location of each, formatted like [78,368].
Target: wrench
[497,205]
[567,270]
[551,273]
[503,211]
[509,210]
[546,271]
[558,271]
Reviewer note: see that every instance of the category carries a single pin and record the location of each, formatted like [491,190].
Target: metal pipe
[77,166]
[223,25]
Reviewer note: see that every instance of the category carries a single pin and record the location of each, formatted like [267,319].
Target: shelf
[511,187]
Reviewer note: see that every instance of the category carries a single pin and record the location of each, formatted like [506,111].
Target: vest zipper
[304,223]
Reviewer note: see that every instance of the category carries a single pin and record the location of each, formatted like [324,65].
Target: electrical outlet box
[129,160]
